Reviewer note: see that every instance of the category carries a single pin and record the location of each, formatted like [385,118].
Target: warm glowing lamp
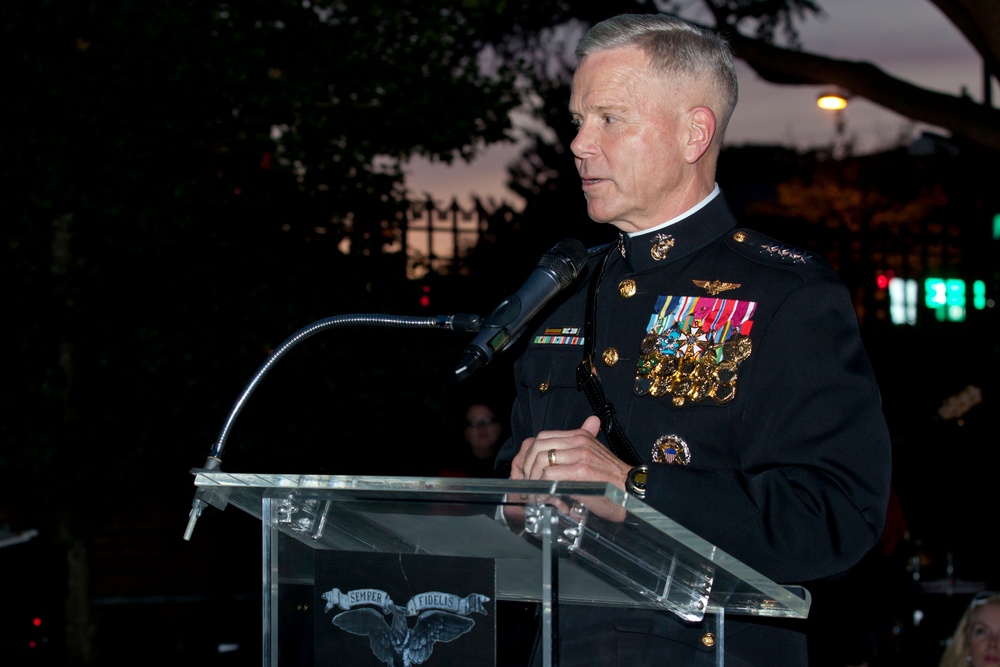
[832,101]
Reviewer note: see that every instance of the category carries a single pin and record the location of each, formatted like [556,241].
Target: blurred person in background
[482,435]
[976,640]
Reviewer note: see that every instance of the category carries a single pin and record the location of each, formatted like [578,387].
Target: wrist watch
[635,481]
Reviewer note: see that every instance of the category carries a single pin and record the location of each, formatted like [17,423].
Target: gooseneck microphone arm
[460,322]
[556,270]
[453,322]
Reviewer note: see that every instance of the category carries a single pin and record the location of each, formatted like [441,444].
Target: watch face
[637,478]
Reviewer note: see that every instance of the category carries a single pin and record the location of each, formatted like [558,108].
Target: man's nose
[583,144]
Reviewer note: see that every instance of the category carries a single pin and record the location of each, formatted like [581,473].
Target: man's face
[629,146]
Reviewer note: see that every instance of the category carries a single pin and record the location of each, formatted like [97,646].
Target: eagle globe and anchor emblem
[441,617]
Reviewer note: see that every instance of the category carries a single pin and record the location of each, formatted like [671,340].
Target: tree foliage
[184,169]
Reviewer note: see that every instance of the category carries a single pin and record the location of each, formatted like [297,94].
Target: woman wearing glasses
[482,436]
[976,640]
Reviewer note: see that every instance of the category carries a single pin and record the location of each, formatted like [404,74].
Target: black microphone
[555,271]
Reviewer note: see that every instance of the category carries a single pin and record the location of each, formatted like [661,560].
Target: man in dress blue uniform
[728,385]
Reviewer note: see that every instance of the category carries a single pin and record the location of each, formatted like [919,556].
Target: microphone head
[566,259]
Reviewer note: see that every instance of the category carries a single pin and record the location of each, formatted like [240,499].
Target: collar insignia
[714,287]
[662,243]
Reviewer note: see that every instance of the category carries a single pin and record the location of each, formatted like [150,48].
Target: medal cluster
[686,364]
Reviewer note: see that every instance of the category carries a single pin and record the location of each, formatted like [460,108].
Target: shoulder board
[751,243]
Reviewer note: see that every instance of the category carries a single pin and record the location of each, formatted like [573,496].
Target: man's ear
[701,131]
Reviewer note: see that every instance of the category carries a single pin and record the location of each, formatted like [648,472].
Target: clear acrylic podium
[565,552]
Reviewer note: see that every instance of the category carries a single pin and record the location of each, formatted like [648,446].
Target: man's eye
[608,120]
[577,122]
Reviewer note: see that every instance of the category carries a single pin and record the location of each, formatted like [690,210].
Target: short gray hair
[674,46]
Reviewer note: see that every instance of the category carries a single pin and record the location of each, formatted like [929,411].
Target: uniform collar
[678,240]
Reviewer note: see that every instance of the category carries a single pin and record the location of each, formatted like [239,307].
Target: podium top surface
[634,557]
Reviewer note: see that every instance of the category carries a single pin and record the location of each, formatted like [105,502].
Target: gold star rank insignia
[714,287]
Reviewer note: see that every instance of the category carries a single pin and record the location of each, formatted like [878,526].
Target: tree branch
[962,116]
[979,22]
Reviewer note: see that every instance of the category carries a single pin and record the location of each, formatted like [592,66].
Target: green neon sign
[946,297]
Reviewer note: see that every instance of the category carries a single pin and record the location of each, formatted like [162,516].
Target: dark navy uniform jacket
[737,362]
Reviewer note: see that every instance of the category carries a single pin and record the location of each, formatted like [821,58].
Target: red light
[36,621]
[882,281]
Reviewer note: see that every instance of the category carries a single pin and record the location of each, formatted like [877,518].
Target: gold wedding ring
[552,457]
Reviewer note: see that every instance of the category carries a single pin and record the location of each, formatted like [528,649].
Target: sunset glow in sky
[909,39]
